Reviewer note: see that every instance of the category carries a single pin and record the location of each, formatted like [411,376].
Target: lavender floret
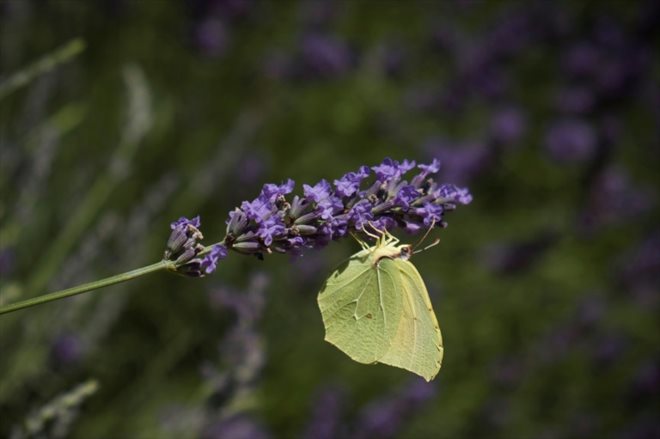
[187,253]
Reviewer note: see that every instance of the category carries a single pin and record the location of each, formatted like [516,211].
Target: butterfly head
[405,251]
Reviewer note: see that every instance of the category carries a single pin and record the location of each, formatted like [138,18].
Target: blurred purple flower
[318,14]
[614,199]
[385,418]
[644,261]
[233,9]
[247,305]
[639,271]
[576,100]
[66,349]
[607,349]
[7,260]
[581,59]
[236,427]
[571,140]
[326,418]
[461,162]
[509,258]
[644,426]
[211,37]
[645,382]
[507,126]
[325,56]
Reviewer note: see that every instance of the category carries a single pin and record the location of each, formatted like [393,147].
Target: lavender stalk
[377,197]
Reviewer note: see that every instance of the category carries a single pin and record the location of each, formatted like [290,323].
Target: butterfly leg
[386,238]
[390,239]
[383,235]
[376,237]
[363,244]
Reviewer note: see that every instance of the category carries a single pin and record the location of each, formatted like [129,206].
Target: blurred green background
[118,117]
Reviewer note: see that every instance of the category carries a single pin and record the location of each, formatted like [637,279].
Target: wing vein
[380,296]
[356,277]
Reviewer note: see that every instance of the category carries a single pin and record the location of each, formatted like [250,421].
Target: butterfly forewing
[360,312]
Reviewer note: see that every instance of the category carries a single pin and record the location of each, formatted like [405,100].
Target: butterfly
[376,309]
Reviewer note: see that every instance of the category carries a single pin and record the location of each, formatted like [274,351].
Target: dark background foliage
[546,286]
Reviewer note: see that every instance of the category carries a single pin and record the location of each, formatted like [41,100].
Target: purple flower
[431,168]
[405,196]
[454,193]
[210,261]
[321,194]
[360,214]
[271,191]
[431,213]
[350,183]
[391,169]
[184,222]
[257,209]
[270,229]
[318,192]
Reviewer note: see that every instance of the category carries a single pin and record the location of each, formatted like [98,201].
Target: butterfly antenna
[433,244]
[425,236]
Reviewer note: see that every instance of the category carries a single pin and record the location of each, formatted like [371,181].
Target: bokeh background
[117,117]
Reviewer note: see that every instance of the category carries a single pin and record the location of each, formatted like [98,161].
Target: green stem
[122,277]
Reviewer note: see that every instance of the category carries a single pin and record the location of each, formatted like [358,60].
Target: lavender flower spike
[378,195]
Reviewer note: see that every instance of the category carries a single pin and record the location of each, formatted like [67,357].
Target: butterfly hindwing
[417,345]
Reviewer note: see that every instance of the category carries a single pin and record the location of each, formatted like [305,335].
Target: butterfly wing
[417,345]
[361,309]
